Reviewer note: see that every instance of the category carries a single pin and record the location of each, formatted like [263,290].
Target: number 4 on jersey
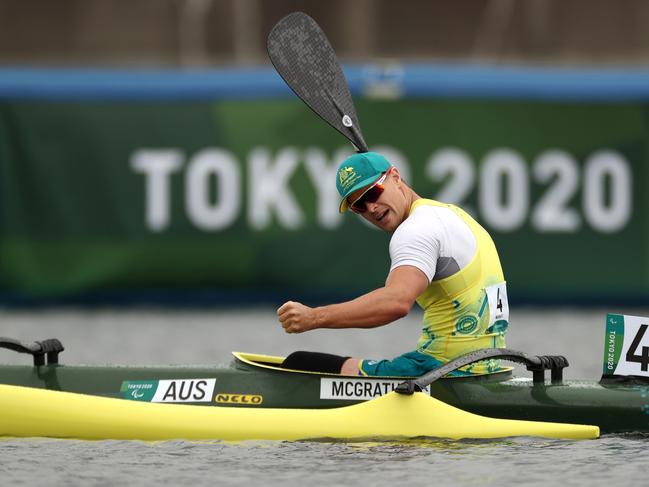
[498,303]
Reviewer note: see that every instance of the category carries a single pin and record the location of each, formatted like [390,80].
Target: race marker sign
[626,346]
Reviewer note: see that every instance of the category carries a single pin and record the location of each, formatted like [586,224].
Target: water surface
[207,337]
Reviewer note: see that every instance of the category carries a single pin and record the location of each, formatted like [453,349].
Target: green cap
[357,171]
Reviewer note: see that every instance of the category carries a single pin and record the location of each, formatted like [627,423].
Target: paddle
[304,58]
[537,364]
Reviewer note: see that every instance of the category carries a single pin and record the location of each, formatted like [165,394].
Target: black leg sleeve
[314,362]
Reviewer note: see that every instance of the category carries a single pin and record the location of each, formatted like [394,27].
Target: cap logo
[347,177]
[347,121]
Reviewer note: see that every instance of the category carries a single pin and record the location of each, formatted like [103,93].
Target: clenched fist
[296,317]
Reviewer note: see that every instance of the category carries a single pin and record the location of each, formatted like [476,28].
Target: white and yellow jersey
[465,305]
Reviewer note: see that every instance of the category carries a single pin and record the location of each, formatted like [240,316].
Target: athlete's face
[389,209]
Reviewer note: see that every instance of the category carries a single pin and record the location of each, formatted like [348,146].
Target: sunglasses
[371,195]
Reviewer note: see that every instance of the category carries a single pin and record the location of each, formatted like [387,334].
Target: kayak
[253,397]
[29,412]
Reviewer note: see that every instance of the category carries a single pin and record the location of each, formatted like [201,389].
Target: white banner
[358,389]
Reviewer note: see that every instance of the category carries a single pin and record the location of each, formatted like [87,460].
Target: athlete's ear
[394,172]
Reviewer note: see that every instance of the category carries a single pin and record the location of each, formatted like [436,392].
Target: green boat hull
[255,381]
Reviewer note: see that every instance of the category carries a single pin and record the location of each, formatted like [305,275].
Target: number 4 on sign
[642,359]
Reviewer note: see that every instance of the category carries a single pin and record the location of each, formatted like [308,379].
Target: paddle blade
[304,58]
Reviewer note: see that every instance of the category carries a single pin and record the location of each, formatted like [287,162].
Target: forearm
[376,308]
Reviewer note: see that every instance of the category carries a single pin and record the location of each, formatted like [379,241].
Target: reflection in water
[466,462]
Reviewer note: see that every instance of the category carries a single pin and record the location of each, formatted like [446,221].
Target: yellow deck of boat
[29,412]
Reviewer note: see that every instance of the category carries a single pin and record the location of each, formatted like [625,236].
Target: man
[441,258]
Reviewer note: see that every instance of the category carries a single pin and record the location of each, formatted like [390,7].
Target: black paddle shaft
[304,58]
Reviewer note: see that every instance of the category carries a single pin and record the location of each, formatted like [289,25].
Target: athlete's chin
[388,223]
[390,227]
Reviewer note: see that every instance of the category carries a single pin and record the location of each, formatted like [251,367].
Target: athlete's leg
[314,362]
[410,364]
[350,367]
